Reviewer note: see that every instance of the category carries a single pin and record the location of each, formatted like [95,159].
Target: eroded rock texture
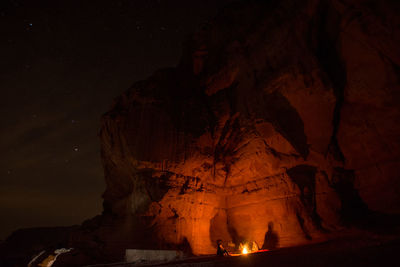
[282,120]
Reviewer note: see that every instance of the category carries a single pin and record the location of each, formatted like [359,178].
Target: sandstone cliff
[282,118]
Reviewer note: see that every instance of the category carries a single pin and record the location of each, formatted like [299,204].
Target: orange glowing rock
[256,138]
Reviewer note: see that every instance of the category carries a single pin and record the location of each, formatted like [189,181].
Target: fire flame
[244,250]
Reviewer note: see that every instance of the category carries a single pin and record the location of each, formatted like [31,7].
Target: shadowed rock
[269,100]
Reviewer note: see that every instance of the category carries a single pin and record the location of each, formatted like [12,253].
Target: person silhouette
[221,251]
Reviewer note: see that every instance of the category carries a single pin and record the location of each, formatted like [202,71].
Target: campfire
[248,248]
[244,250]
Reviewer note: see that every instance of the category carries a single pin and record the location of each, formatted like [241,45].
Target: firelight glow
[244,250]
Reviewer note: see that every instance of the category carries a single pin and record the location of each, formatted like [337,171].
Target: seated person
[221,251]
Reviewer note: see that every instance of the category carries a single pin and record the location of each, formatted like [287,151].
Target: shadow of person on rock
[271,240]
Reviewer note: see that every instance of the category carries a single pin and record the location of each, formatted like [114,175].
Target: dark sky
[61,64]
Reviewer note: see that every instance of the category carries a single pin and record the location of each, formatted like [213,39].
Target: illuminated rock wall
[275,113]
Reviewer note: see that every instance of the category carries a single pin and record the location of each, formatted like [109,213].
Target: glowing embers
[247,248]
[244,250]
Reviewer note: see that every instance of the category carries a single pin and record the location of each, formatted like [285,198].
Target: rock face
[282,120]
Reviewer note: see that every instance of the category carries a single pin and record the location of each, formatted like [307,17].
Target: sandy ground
[368,250]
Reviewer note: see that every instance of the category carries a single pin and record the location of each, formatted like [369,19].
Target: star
[29,26]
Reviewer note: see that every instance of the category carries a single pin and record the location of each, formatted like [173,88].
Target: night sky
[61,65]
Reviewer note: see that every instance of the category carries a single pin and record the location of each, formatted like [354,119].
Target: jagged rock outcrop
[281,115]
